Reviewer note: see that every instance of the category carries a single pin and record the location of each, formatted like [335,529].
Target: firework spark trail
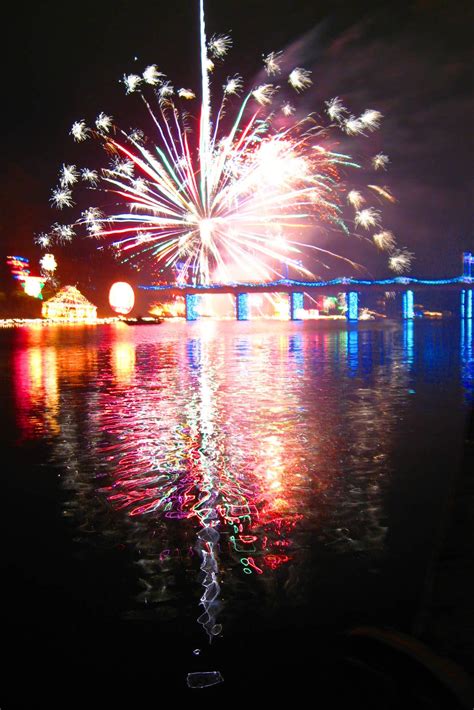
[240,199]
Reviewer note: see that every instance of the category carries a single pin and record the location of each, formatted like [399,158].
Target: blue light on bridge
[408,310]
[192,305]
[242,306]
[352,305]
[469,304]
[466,303]
[468,264]
[346,282]
[296,305]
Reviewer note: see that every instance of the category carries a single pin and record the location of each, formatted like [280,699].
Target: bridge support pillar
[466,303]
[407,305]
[296,305]
[352,299]
[192,304]
[242,306]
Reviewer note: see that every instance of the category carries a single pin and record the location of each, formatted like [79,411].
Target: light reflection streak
[467,357]
[37,395]
[224,454]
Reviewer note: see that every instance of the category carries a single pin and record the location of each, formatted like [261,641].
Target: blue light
[467,359]
[353,351]
[468,261]
[296,305]
[242,306]
[192,303]
[408,341]
[466,303]
[268,285]
[408,311]
[352,305]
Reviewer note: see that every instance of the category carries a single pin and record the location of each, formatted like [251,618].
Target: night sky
[412,61]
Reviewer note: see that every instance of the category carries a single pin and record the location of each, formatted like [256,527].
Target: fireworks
[400,260]
[48,263]
[384,240]
[220,201]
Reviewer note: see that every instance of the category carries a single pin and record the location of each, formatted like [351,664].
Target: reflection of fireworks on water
[240,198]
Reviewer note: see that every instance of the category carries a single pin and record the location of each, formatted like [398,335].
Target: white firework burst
[63,232]
[288,109]
[48,263]
[69,175]
[132,82]
[264,93]
[92,214]
[42,240]
[300,79]
[400,261]
[335,109]
[186,94]
[353,126]
[370,119]
[272,63]
[384,240]
[103,122]
[380,161]
[79,131]
[355,198]
[62,197]
[367,218]
[90,176]
[219,45]
[136,136]
[165,91]
[233,85]
[152,76]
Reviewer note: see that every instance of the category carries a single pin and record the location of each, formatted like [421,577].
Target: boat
[142,320]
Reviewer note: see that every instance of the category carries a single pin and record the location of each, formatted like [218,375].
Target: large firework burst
[240,199]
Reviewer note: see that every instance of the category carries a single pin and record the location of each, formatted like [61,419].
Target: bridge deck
[400,283]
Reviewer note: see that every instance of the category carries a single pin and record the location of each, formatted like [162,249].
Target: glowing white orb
[121,297]
[33,286]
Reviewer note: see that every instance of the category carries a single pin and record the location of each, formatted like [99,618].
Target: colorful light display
[238,197]
[33,286]
[121,297]
[69,305]
[19,267]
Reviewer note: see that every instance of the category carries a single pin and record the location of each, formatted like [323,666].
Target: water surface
[251,484]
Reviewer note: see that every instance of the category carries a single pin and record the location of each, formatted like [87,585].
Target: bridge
[353,288]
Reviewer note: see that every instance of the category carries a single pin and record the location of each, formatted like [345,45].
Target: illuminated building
[69,305]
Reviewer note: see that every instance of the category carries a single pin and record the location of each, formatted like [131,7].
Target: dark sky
[412,61]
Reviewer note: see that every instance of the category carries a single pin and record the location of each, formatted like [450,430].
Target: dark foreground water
[265,486]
